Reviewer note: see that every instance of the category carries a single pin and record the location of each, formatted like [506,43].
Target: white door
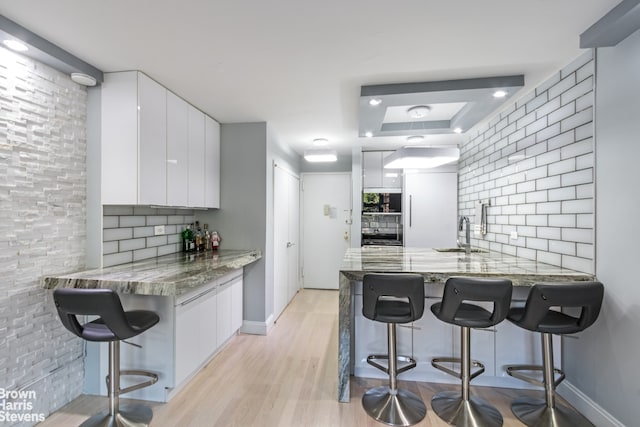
[286,208]
[326,210]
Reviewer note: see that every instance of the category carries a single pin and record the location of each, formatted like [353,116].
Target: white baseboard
[585,405]
[257,328]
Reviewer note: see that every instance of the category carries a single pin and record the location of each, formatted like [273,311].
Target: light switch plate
[158,230]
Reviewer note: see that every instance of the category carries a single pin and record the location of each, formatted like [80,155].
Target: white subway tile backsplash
[145,254]
[584,250]
[117,210]
[562,86]
[563,166]
[579,264]
[564,193]
[577,120]
[561,247]
[547,196]
[584,176]
[110,222]
[110,247]
[156,241]
[156,220]
[117,258]
[117,234]
[132,221]
[131,244]
[577,206]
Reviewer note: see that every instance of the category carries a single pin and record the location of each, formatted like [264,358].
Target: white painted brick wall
[534,162]
[42,226]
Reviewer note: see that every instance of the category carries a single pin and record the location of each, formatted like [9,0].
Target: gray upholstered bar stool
[537,315]
[112,325]
[392,299]
[462,409]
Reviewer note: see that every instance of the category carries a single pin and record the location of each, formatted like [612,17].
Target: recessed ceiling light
[368,134]
[415,138]
[499,94]
[375,102]
[457,130]
[418,112]
[15,45]
[319,142]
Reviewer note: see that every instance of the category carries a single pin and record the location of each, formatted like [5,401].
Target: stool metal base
[127,416]
[536,412]
[399,408]
[474,412]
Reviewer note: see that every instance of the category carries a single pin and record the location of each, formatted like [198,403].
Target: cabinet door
[224,314]
[208,326]
[119,134]
[391,178]
[372,169]
[177,151]
[236,305]
[187,341]
[430,210]
[196,157]
[152,134]
[212,163]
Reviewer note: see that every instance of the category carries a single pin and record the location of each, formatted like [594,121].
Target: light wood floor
[288,378]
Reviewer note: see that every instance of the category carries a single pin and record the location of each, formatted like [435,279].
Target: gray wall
[42,227]
[242,218]
[534,162]
[603,362]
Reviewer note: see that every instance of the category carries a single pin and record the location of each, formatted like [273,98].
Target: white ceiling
[299,65]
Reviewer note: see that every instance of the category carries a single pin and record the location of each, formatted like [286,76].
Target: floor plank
[288,378]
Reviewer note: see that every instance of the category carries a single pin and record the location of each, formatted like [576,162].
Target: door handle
[410,209]
[289,244]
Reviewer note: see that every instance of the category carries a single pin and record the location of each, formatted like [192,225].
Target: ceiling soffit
[453,104]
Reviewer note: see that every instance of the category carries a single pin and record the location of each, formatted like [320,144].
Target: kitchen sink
[460,250]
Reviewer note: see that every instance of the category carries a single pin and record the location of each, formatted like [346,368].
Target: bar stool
[537,316]
[462,409]
[112,325]
[392,299]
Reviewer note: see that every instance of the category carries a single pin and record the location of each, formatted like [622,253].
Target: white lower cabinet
[193,327]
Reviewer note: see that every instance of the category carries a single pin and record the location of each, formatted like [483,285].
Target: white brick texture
[42,226]
[537,161]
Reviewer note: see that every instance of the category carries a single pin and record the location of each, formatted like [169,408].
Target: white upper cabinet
[177,154]
[157,149]
[196,156]
[212,163]
[152,134]
[377,179]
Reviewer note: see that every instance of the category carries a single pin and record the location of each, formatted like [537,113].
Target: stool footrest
[410,363]
[438,364]
[514,371]
[153,378]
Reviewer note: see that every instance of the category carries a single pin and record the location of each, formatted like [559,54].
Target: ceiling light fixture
[499,94]
[368,134]
[415,138]
[418,112]
[83,79]
[457,130]
[320,155]
[320,142]
[421,157]
[15,45]
[374,102]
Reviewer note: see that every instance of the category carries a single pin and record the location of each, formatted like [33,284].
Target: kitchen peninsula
[436,267]
[199,299]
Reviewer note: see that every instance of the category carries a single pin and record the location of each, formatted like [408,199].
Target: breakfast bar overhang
[435,266]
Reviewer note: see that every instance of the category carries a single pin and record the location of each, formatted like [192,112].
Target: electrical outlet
[514,235]
[158,230]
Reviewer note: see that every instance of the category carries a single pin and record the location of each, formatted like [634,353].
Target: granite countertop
[168,275]
[438,266]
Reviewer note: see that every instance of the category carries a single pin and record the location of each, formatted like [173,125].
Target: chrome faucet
[467,245]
